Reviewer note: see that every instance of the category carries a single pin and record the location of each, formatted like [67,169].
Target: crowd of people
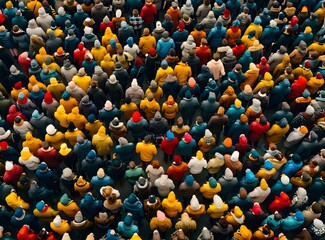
[162,119]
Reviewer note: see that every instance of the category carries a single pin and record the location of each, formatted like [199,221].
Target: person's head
[132,165]
[45,145]
[216,56]
[155,164]
[135,12]
[206,2]
[204,42]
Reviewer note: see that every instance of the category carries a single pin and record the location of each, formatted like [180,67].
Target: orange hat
[243,118]
[191,82]
[303,130]
[227,142]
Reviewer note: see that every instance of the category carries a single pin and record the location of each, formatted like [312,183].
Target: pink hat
[161,216]
[242,139]
[187,138]
[257,210]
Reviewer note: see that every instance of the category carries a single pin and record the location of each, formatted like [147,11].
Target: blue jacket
[291,223]
[127,231]
[278,115]
[188,107]
[90,166]
[210,87]
[279,187]
[81,150]
[234,5]
[90,205]
[245,60]
[97,182]
[133,205]
[107,116]
[249,181]
[197,131]
[291,168]
[125,152]
[308,38]
[28,219]
[269,35]
[6,39]
[279,93]
[243,203]
[237,129]
[273,224]
[163,46]
[209,107]
[216,36]
[228,187]
[89,67]
[138,129]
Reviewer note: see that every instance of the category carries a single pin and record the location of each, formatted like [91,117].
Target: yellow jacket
[216,212]
[32,143]
[182,72]
[128,110]
[149,107]
[55,140]
[82,81]
[235,217]
[107,36]
[72,136]
[146,43]
[162,74]
[157,95]
[69,104]
[267,82]
[171,205]
[82,186]
[169,110]
[209,192]
[14,93]
[276,133]
[204,147]
[70,210]
[253,27]
[314,84]
[49,213]
[266,174]
[79,120]
[102,142]
[161,226]
[107,64]
[93,128]
[61,116]
[14,201]
[65,227]
[40,57]
[243,233]
[248,42]
[52,66]
[318,47]
[33,81]
[147,151]
[98,54]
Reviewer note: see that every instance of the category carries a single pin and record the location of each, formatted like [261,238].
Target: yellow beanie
[245,232]
[199,155]
[29,136]
[238,212]
[64,150]
[9,4]
[308,29]
[25,153]
[237,103]
[304,9]
[102,131]
[263,184]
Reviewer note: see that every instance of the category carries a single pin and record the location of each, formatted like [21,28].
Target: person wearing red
[263,66]
[14,113]
[242,146]
[49,155]
[79,53]
[148,13]
[297,88]
[239,49]
[105,24]
[168,145]
[26,233]
[203,52]
[257,129]
[280,202]
[24,62]
[177,170]
[12,173]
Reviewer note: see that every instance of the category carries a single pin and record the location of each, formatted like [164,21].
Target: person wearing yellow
[255,26]
[155,90]
[267,82]
[54,137]
[207,142]
[56,89]
[32,143]
[60,226]
[277,131]
[102,142]
[61,116]
[108,36]
[150,106]
[82,186]
[107,64]
[320,13]
[195,210]
[14,201]
[160,223]
[249,39]
[171,205]
[147,42]
[128,108]
[263,233]
[18,88]
[93,125]
[33,81]
[42,54]
[32,5]
[170,109]
[82,80]
[210,188]
[98,52]
[68,102]
[51,65]
[78,119]
[235,217]
[44,212]
[182,72]
[68,206]
[217,208]
[146,149]
[243,233]
[71,134]
[163,73]
[315,83]
[267,171]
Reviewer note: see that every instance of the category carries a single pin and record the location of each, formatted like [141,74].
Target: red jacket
[49,156]
[24,63]
[168,147]
[12,177]
[103,26]
[26,234]
[204,53]
[148,13]
[12,114]
[280,203]
[257,130]
[238,50]
[176,172]
[297,88]
[79,54]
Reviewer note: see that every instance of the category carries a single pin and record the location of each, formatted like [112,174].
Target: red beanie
[226,13]
[136,117]
[181,25]
[48,98]
[153,51]
[3,145]
[307,64]
[138,62]
[18,85]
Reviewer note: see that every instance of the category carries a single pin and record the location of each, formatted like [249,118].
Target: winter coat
[216,35]
[164,185]
[146,150]
[276,133]
[182,72]
[102,142]
[163,46]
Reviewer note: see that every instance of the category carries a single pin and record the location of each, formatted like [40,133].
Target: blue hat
[268,165]
[212,182]
[189,180]
[164,64]
[250,177]
[53,24]
[19,212]
[66,95]
[40,205]
[170,136]
[36,114]
[33,63]
[300,216]
[219,2]
[21,96]
[128,220]
[65,199]
[130,41]
[257,20]
[265,11]
[132,198]
[91,118]
[251,34]
[42,167]
[188,94]
[236,23]
[305,93]
[232,76]
[91,154]
[283,122]
[254,153]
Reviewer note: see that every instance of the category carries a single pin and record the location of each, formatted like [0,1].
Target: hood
[212,97]
[210,15]
[13,109]
[157,116]
[171,197]
[229,91]
[32,24]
